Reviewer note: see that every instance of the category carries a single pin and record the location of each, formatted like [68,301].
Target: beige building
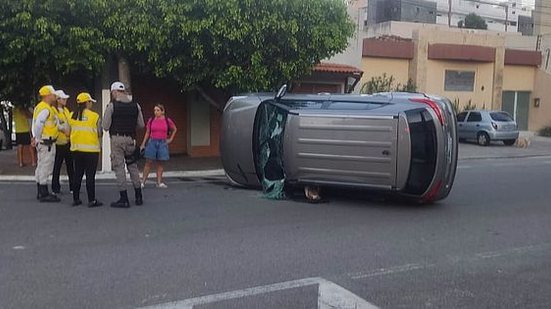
[468,67]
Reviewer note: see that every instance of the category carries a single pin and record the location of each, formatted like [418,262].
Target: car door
[472,126]
[461,132]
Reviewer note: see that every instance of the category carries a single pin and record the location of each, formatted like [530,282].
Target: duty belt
[49,142]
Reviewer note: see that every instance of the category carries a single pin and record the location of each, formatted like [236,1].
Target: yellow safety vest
[50,127]
[21,121]
[84,133]
[63,115]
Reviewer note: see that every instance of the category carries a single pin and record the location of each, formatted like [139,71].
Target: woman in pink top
[159,132]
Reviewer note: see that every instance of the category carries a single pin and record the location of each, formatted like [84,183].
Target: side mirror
[281,92]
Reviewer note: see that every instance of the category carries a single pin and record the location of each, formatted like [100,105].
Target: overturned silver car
[401,143]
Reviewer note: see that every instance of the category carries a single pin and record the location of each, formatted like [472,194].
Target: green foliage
[546,131]
[473,21]
[456,106]
[469,106]
[235,45]
[386,83]
[43,41]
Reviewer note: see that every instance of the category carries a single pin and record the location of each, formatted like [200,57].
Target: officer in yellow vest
[62,145]
[45,131]
[85,147]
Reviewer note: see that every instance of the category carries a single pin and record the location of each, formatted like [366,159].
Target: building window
[459,81]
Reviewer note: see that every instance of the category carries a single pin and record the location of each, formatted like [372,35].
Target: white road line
[330,295]
[389,271]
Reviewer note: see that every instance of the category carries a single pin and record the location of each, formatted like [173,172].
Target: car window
[474,117]
[461,116]
[501,116]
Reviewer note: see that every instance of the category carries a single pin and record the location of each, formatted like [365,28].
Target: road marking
[18,248]
[330,295]
[389,271]
[464,166]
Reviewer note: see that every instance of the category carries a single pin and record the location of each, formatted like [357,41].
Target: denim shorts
[157,149]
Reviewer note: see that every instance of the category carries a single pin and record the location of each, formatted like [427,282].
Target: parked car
[487,126]
[390,142]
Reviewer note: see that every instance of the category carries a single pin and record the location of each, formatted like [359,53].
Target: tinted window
[423,151]
[461,116]
[474,117]
[502,116]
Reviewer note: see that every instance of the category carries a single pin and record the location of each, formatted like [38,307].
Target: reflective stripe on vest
[84,133]
[50,126]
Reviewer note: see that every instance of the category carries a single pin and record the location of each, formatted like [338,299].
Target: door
[461,129]
[472,126]
[517,104]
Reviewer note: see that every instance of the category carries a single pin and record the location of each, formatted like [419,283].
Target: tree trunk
[124,72]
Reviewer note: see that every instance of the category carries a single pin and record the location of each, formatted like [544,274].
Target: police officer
[45,131]
[85,147]
[122,117]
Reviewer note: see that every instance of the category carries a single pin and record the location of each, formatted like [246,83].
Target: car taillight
[431,195]
[435,107]
[494,125]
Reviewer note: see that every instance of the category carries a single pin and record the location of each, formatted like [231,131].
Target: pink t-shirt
[158,128]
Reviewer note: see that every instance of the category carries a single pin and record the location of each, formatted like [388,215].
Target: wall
[540,116]
[204,127]
[542,17]
[519,78]
[373,67]
[483,79]
[423,74]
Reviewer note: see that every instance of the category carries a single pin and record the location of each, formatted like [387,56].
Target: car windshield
[501,116]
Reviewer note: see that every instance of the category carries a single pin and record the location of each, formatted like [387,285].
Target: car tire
[509,142]
[483,139]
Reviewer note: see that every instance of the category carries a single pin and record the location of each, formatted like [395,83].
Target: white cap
[118,86]
[61,94]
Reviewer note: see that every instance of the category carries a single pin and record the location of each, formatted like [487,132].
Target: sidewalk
[178,166]
[539,147]
[183,166]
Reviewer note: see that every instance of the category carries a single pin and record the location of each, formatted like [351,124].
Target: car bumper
[500,136]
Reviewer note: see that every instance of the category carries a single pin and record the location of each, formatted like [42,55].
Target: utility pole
[506,16]
[449,13]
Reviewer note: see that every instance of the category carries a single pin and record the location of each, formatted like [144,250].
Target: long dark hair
[77,115]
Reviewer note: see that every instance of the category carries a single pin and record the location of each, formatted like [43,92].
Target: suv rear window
[501,116]
[461,116]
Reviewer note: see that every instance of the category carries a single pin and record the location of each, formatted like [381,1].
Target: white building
[499,15]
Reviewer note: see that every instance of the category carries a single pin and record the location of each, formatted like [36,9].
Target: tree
[386,83]
[231,45]
[473,21]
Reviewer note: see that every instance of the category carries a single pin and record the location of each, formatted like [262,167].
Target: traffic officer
[45,131]
[122,117]
[62,145]
[85,147]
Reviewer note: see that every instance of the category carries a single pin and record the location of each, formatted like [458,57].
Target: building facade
[471,68]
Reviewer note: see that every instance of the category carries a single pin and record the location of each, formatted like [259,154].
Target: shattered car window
[268,149]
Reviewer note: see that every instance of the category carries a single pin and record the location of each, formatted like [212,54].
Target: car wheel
[509,142]
[483,139]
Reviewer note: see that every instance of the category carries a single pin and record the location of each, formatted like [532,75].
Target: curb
[111,175]
[508,157]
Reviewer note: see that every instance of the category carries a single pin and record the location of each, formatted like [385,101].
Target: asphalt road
[487,246]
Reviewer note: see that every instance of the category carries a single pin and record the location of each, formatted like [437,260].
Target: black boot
[122,202]
[139,197]
[46,197]
[95,203]
[76,199]
[37,191]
